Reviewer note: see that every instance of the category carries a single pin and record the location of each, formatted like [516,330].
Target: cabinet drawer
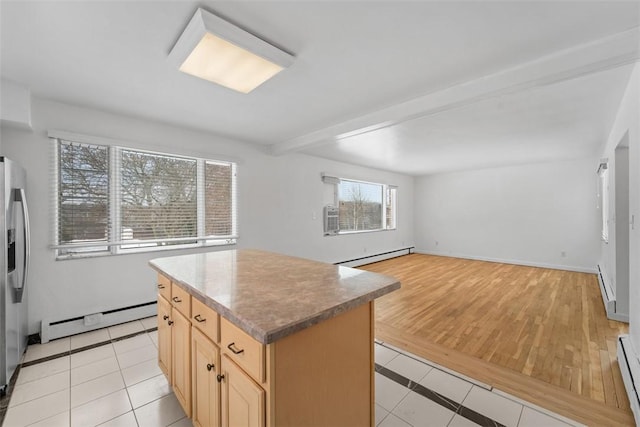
[248,353]
[164,287]
[205,319]
[181,300]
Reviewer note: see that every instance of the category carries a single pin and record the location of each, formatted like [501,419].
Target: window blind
[391,203]
[83,195]
[113,199]
[220,203]
[158,198]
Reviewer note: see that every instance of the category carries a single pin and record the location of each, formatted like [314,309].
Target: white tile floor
[116,384]
[120,384]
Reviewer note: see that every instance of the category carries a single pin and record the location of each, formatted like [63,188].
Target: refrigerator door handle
[22,198]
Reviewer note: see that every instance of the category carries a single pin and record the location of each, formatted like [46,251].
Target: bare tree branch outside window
[360,206]
[83,193]
[159,198]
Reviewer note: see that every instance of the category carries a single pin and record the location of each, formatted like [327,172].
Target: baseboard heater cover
[630,370]
[376,257]
[607,294]
[51,330]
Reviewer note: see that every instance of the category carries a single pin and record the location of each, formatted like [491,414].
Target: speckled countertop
[270,295]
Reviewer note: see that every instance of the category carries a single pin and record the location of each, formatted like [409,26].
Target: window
[117,200]
[365,206]
[83,194]
[390,207]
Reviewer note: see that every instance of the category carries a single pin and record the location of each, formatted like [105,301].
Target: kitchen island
[248,337]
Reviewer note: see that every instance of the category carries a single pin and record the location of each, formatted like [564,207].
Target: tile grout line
[70,385]
[520,417]
[87,347]
[396,405]
[437,398]
[126,389]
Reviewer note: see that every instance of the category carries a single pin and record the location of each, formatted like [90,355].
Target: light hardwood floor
[539,334]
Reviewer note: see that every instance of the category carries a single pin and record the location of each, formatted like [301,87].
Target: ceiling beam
[605,53]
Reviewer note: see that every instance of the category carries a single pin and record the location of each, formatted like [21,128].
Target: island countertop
[269,295]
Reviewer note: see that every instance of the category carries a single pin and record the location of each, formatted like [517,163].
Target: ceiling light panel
[216,50]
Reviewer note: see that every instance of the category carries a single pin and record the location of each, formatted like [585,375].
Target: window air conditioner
[331,223]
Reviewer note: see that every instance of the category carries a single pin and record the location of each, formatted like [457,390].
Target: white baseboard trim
[511,261]
[630,369]
[618,317]
[369,259]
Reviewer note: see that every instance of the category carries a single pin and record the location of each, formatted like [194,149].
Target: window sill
[343,233]
[130,251]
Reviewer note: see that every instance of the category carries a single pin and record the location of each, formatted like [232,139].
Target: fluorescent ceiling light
[216,50]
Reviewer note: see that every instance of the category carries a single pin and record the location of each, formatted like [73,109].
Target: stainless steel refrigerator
[14,265]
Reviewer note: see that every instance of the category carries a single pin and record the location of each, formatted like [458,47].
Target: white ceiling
[353,58]
[556,122]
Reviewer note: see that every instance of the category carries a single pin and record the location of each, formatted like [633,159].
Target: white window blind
[158,198]
[391,204]
[115,200]
[83,195]
[220,205]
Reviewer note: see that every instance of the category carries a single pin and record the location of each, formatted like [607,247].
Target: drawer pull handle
[160,286]
[170,322]
[165,317]
[210,367]
[199,319]
[232,348]
[220,378]
[176,299]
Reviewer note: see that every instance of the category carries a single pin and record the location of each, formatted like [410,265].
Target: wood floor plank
[546,325]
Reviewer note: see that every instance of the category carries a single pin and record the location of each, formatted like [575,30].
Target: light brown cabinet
[164,336]
[181,359]
[243,401]
[206,320]
[205,367]
[246,352]
[174,339]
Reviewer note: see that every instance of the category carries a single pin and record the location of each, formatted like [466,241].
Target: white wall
[277,200]
[15,104]
[526,214]
[627,123]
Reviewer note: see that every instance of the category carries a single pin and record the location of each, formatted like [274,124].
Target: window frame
[604,196]
[386,188]
[114,242]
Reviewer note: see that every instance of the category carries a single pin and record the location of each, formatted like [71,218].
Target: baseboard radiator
[630,369]
[51,330]
[608,297]
[376,257]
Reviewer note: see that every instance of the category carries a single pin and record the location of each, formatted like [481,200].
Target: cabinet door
[243,401]
[205,366]
[164,337]
[181,358]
